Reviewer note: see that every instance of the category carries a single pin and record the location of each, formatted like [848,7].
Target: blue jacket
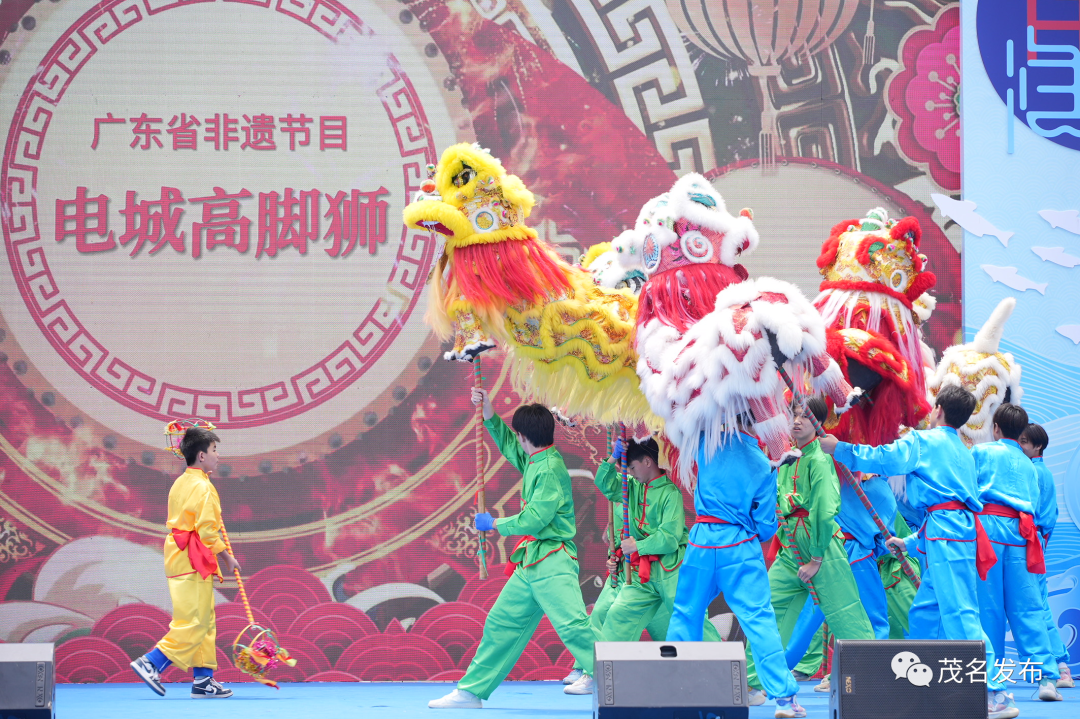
[1046,513]
[939,469]
[738,486]
[1006,475]
[856,521]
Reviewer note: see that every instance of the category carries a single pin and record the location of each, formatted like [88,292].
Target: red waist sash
[202,559]
[706,519]
[985,557]
[1036,563]
[511,565]
[643,563]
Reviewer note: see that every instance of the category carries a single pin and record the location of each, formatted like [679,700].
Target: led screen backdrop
[202,217]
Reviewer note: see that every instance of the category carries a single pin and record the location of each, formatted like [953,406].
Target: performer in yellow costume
[194,555]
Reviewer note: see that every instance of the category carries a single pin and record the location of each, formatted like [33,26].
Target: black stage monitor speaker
[26,681]
[900,679]
[670,680]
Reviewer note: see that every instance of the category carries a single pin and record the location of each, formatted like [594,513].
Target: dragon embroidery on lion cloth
[567,337]
[873,300]
[709,338]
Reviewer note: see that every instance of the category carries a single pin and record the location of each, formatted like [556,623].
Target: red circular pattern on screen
[109,373]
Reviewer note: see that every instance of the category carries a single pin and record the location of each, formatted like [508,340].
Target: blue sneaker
[788,708]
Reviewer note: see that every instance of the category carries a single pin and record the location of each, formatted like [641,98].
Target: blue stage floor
[374,701]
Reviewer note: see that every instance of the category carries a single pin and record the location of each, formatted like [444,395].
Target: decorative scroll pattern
[647,67]
[109,373]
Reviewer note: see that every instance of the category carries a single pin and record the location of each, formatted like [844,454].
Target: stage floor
[376,701]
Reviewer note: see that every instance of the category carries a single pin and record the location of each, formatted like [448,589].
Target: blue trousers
[725,558]
[1057,645]
[1010,592]
[946,605]
[871,594]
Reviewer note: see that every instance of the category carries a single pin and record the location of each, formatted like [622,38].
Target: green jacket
[657,516]
[810,483]
[547,499]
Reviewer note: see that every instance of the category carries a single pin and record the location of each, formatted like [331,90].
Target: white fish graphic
[963,211]
[1008,277]
[1070,331]
[1057,255]
[1065,219]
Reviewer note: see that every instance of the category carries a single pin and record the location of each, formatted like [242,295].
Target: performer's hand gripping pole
[850,479]
[625,502]
[481,500]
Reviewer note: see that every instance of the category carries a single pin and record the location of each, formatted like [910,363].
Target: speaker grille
[904,679]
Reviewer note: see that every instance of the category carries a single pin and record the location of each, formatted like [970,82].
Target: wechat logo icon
[906,665]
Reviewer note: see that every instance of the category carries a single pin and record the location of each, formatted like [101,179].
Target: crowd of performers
[895,495]
[873,489]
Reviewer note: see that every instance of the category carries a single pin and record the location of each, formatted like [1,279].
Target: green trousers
[641,610]
[836,591]
[646,606]
[549,587]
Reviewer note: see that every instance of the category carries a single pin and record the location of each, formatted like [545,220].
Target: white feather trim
[700,382]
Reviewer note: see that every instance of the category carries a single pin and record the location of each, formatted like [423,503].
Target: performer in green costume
[899,590]
[658,537]
[543,568]
[809,497]
[655,547]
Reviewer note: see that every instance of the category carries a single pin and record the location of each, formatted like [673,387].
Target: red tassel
[682,296]
[496,274]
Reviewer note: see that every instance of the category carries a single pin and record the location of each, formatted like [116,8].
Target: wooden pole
[625,502]
[481,499]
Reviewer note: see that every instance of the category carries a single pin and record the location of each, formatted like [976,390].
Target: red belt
[511,565]
[706,519]
[1035,561]
[202,559]
[643,562]
[984,551]
[846,535]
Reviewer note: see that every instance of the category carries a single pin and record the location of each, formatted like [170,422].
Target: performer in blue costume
[941,481]
[1034,441]
[735,500]
[1009,491]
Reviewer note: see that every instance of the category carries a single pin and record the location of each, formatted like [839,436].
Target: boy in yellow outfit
[194,554]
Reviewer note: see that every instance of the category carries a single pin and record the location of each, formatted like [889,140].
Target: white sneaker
[788,708]
[1066,680]
[149,674]
[756,697]
[573,676]
[209,688]
[1048,691]
[582,686]
[824,686]
[1000,705]
[457,699]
